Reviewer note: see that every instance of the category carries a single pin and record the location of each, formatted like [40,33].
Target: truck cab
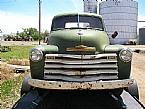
[71,30]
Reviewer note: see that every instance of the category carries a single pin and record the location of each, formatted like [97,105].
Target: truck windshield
[71,22]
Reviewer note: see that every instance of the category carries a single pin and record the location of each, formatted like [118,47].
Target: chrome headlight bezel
[125,55]
[36,55]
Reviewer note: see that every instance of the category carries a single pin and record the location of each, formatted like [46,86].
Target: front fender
[37,68]
[47,48]
[113,48]
[124,68]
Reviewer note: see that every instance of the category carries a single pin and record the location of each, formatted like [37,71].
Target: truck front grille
[80,68]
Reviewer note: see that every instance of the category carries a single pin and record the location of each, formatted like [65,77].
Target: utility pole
[40,20]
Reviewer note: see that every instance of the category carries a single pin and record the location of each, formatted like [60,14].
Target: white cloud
[12,22]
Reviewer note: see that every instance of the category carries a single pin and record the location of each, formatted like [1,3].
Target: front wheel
[133,90]
[117,92]
[25,86]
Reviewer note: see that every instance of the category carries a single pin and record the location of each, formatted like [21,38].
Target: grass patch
[10,85]
[17,52]
[10,92]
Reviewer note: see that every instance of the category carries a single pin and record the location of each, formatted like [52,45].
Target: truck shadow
[80,100]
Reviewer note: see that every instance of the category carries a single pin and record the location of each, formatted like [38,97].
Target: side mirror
[114,34]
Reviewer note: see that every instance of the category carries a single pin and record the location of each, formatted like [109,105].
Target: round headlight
[36,55]
[125,55]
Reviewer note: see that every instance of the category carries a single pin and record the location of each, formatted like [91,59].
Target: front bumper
[95,85]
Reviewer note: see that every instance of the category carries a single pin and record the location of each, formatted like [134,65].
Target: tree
[29,32]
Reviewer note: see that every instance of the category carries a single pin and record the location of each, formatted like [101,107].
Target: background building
[90,6]
[142,35]
[118,15]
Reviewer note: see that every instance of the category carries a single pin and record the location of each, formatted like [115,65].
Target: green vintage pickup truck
[79,56]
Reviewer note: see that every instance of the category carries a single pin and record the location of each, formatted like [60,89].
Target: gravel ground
[138,73]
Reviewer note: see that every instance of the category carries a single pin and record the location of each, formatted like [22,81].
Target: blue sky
[17,14]
[49,7]
[30,7]
[141,7]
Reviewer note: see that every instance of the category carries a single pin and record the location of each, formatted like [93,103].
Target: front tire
[25,86]
[133,90]
[117,92]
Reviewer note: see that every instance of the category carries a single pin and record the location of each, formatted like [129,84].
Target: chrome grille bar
[64,66]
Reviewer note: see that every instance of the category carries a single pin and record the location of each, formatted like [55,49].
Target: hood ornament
[80,32]
[82,48]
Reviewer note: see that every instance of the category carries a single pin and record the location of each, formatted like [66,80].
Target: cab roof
[75,14]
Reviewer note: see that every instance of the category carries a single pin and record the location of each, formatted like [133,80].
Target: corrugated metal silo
[90,6]
[120,16]
[142,35]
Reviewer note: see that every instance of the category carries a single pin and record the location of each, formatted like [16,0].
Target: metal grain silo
[90,6]
[120,16]
[142,35]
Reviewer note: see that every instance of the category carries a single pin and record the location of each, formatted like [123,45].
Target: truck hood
[68,38]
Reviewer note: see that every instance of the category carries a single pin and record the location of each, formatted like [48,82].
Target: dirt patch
[6,72]
[23,62]
[138,73]
[10,70]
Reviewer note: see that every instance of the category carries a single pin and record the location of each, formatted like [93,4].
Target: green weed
[10,91]
[17,52]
